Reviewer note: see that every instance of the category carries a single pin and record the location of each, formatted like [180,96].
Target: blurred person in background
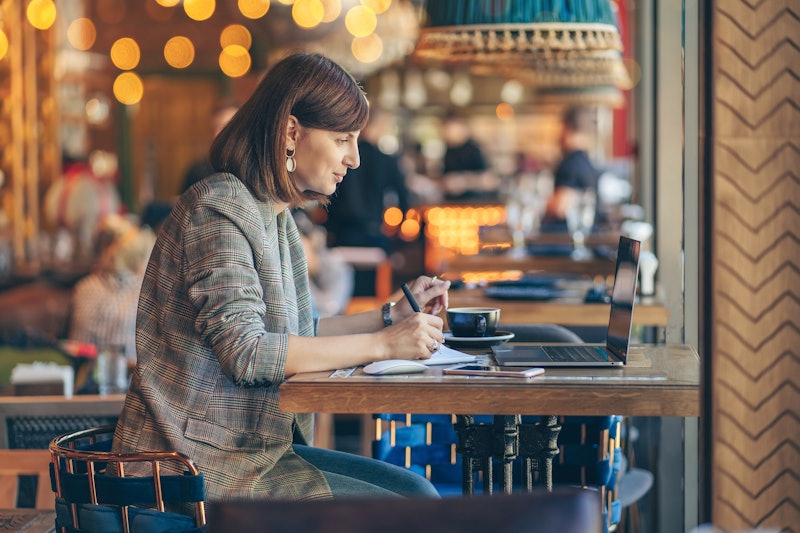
[104,302]
[466,175]
[575,172]
[355,214]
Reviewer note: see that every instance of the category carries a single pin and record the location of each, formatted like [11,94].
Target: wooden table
[660,380]
[27,520]
[648,311]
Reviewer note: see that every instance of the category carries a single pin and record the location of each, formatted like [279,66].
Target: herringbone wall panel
[755,379]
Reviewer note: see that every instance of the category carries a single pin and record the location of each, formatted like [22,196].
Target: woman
[225,311]
[104,302]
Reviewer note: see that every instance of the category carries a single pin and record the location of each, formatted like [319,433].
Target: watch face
[387,314]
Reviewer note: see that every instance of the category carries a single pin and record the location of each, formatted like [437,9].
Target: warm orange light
[393,216]
[333,8]
[167,3]
[414,214]
[254,9]
[3,44]
[360,21]
[367,49]
[235,61]
[504,111]
[128,88]
[81,34]
[236,34]
[125,53]
[409,230]
[179,52]
[308,13]
[41,14]
[378,6]
[199,9]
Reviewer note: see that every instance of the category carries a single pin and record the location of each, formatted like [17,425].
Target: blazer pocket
[222,437]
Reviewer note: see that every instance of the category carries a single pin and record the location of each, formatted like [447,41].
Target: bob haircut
[252,146]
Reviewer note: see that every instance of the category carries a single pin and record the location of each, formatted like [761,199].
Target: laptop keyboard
[573,353]
[523,292]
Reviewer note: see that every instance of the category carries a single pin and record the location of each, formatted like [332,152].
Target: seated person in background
[355,214]
[575,172]
[330,276]
[465,173]
[104,302]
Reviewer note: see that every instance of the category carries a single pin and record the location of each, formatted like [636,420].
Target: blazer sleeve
[224,287]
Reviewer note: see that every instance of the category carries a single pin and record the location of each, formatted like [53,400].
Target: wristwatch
[386,310]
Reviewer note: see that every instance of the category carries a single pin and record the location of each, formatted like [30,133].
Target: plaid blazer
[226,284]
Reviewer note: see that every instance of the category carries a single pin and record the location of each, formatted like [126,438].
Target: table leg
[538,443]
[506,430]
[474,444]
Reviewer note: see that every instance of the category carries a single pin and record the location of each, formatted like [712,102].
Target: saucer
[477,342]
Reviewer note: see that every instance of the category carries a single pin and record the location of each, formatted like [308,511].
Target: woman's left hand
[430,293]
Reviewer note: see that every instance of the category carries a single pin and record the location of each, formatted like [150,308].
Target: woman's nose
[352,159]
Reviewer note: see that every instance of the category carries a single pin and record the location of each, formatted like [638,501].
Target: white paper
[447,356]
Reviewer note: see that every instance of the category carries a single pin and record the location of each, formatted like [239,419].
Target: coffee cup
[473,321]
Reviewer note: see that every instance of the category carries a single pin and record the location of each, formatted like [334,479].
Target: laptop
[614,352]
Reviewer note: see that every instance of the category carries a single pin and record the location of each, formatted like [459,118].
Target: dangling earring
[291,162]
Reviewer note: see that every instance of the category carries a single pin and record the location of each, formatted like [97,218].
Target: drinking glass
[580,219]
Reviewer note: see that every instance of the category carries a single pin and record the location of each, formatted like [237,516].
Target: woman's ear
[292,131]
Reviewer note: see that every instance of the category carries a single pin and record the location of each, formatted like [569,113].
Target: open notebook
[615,351]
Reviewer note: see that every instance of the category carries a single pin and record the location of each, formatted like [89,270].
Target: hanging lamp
[542,43]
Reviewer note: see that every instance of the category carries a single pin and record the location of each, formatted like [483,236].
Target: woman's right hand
[417,336]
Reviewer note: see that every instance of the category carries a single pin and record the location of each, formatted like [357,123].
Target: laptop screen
[622,296]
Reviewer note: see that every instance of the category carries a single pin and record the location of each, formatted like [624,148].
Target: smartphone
[492,370]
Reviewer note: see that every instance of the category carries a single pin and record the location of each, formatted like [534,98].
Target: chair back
[540,333]
[96,492]
[17,466]
[560,511]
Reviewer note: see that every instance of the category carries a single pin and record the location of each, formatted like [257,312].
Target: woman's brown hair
[252,146]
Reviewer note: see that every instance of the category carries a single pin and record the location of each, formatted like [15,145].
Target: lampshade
[544,43]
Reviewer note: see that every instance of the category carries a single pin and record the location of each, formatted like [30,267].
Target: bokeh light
[128,88]
[308,13]
[179,52]
[254,9]
[235,34]
[360,21]
[41,14]
[168,3]
[3,44]
[378,6]
[333,8]
[82,34]
[367,49]
[393,216]
[125,53]
[409,230]
[504,111]
[235,61]
[199,9]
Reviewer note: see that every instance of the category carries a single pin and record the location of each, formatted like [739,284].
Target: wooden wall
[753,145]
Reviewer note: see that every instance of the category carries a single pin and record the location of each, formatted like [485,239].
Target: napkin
[447,356]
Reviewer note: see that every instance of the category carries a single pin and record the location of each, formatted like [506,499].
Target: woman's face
[323,158]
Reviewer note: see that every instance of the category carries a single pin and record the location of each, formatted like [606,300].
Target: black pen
[410,297]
